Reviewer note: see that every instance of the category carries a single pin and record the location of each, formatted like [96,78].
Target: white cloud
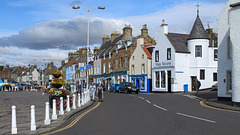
[13,51]
[68,32]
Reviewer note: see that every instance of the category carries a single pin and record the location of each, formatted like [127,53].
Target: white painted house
[229,62]
[140,62]
[180,58]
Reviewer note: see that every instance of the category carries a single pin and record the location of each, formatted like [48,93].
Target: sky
[29,27]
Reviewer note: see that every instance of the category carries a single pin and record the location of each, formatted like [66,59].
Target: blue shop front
[142,82]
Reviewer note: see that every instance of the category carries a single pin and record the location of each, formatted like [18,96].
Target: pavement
[23,101]
[209,98]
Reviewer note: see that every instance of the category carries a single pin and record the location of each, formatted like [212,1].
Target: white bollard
[79,100]
[82,99]
[74,101]
[47,121]
[14,120]
[61,112]
[68,104]
[33,122]
[54,114]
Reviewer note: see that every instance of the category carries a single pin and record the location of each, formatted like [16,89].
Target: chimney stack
[114,35]
[164,27]
[105,39]
[127,32]
[144,30]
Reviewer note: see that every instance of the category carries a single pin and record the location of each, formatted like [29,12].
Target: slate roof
[179,42]
[198,31]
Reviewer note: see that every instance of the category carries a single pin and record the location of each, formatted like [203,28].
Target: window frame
[169,54]
[196,50]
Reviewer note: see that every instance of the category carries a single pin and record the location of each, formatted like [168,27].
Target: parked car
[23,86]
[215,87]
[128,87]
[114,88]
[5,87]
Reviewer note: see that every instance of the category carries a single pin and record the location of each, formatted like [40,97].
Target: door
[169,81]
[192,81]
[137,83]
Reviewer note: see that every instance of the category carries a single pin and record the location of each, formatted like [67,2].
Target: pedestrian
[197,85]
[100,93]
[92,90]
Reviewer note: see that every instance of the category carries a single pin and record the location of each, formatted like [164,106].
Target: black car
[128,87]
[5,87]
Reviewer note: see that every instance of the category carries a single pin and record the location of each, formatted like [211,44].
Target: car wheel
[137,92]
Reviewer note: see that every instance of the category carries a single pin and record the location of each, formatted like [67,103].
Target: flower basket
[57,74]
[57,98]
[56,85]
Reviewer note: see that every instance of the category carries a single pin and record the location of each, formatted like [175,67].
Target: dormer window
[109,55]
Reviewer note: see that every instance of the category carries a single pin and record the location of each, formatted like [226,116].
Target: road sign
[81,68]
[88,66]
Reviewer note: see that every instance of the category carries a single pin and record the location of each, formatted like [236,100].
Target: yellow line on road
[74,121]
[202,103]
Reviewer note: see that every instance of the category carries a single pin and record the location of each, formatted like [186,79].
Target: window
[214,76]
[104,56]
[157,56]
[110,55]
[116,63]
[109,67]
[228,48]
[229,81]
[163,82]
[169,54]
[104,68]
[157,82]
[95,70]
[202,74]
[215,55]
[98,70]
[229,11]
[198,51]
[143,69]
[142,56]
[121,62]
[133,69]
[126,61]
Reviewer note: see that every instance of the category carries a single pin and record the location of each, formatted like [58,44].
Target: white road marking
[160,107]
[141,97]
[196,118]
[148,101]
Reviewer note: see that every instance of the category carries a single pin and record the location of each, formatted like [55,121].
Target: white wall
[35,75]
[235,38]
[223,63]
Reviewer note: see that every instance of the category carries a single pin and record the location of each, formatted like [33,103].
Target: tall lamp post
[57,46]
[78,7]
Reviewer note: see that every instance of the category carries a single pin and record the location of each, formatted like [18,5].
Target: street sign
[88,66]
[81,68]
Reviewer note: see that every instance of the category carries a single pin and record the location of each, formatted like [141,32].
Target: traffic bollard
[54,115]
[74,101]
[79,99]
[47,121]
[68,104]
[33,122]
[61,112]
[14,120]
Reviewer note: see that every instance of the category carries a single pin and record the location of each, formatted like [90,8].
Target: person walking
[92,90]
[100,93]
[197,85]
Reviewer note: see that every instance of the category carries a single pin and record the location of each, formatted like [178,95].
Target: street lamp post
[78,7]
[57,46]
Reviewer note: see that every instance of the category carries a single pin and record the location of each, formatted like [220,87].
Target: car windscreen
[131,84]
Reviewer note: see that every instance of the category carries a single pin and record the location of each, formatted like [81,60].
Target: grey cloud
[63,32]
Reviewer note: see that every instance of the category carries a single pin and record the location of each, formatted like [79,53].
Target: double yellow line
[74,121]
[202,103]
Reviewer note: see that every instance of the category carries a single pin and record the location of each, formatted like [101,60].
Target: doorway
[137,83]
[169,81]
[192,81]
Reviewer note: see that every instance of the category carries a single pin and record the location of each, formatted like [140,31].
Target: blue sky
[28,27]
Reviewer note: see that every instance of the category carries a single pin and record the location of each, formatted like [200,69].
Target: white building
[36,76]
[140,62]
[229,62]
[180,58]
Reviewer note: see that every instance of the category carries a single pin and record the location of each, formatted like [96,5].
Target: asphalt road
[154,114]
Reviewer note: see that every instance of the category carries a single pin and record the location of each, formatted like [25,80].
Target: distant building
[229,62]
[178,59]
